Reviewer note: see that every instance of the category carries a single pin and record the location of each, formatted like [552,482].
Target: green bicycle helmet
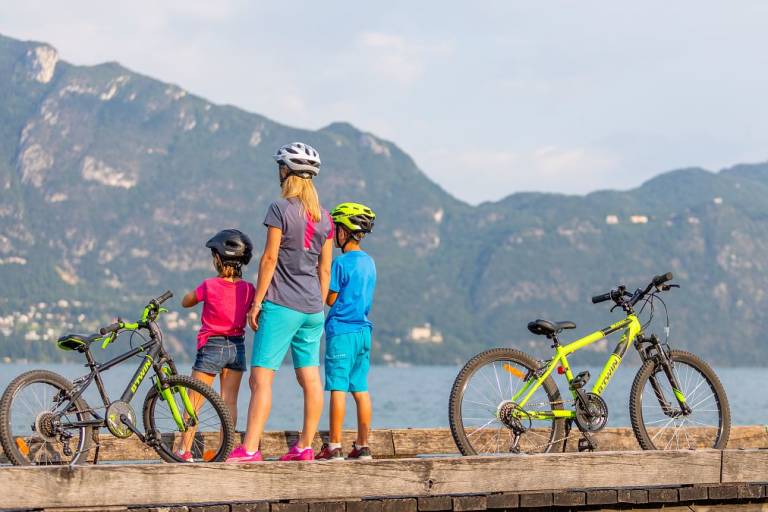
[355,217]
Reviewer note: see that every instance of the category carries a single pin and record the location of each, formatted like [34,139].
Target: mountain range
[112,181]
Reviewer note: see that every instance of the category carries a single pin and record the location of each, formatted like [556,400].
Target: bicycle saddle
[547,328]
[76,341]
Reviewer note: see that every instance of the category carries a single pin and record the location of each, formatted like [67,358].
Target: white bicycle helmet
[302,159]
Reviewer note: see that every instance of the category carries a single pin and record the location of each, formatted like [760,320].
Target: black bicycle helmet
[232,246]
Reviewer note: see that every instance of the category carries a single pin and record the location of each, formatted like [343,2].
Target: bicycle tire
[10,440]
[689,438]
[222,411]
[556,435]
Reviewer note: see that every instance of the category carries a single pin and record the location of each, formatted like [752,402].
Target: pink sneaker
[240,455]
[296,454]
[187,456]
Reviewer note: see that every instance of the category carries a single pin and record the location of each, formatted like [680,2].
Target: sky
[489,97]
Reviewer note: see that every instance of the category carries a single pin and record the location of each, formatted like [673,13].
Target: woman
[291,289]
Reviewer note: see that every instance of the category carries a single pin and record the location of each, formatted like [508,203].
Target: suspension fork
[666,365]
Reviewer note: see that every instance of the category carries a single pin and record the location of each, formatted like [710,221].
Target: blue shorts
[281,328]
[221,352]
[347,360]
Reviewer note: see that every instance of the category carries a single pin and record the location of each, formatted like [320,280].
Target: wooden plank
[411,443]
[220,483]
[742,466]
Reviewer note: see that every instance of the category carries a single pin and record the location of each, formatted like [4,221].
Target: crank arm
[125,420]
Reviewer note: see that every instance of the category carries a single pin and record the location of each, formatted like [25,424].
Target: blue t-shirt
[353,277]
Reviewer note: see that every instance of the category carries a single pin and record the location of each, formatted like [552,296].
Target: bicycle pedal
[587,444]
[580,380]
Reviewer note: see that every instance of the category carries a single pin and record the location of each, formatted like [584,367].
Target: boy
[348,330]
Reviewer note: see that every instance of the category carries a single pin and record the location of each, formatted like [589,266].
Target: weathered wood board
[142,484]
[412,442]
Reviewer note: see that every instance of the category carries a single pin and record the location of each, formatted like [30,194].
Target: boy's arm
[332,296]
[324,268]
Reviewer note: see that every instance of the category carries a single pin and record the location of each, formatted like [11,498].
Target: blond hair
[304,191]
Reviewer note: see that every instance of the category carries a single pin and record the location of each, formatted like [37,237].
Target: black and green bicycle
[505,401]
[44,418]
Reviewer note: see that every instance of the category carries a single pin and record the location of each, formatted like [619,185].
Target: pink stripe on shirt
[309,233]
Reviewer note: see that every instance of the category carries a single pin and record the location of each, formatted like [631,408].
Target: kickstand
[515,447]
[95,437]
[568,428]
[587,443]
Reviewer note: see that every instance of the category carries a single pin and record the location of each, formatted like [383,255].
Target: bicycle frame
[632,329]
[155,357]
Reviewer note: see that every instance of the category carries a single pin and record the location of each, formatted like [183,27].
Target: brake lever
[667,287]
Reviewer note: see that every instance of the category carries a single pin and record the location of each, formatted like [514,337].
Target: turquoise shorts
[280,328]
[347,360]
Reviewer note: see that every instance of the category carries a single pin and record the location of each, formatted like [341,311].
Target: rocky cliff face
[111,182]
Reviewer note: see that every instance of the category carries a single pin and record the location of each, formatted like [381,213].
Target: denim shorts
[221,352]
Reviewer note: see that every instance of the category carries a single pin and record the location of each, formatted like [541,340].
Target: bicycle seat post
[555,341]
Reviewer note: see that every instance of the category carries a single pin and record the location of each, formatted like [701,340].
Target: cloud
[475,175]
[397,59]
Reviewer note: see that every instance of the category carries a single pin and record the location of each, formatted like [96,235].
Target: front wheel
[658,419]
[39,424]
[484,415]
[189,417]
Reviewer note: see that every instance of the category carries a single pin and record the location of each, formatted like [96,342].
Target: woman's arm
[190,299]
[267,266]
[324,268]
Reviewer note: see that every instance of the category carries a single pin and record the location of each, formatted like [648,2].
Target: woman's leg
[309,380]
[258,409]
[230,388]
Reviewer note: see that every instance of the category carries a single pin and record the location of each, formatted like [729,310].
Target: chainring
[594,416]
[115,425]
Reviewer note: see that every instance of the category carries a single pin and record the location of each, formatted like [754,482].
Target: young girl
[226,301]
[294,273]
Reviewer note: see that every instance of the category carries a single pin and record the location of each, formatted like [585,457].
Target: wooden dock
[733,479]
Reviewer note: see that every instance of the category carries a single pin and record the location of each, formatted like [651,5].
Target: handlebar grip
[659,280]
[110,328]
[164,297]
[601,298]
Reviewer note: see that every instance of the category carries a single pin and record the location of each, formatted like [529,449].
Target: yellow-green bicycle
[505,401]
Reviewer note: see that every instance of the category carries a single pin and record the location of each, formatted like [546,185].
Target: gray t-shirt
[295,284]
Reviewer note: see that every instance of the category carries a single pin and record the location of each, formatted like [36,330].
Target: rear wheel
[483,416]
[35,415]
[657,419]
[209,438]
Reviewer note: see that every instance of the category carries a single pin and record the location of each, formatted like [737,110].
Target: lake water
[417,396]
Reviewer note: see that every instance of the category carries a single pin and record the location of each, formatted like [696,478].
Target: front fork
[166,392]
[656,352]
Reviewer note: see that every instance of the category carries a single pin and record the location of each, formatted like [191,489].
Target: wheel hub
[45,426]
[510,415]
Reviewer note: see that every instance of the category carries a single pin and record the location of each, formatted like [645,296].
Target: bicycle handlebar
[659,280]
[164,297]
[618,293]
[110,328]
[601,298]
[150,313]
